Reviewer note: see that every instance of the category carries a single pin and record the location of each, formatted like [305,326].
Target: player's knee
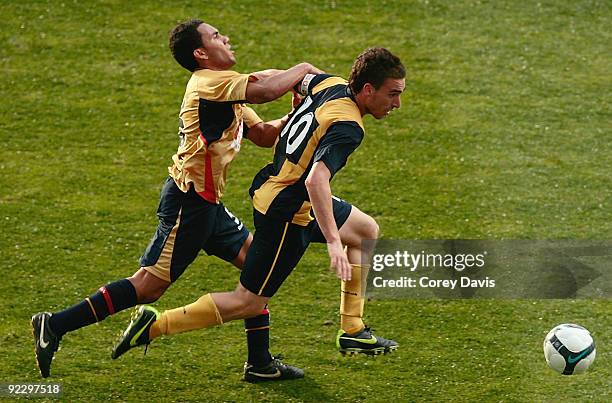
[249,304]
[243,308]
[148,287]
[149,295]
[252,309]
[369,228]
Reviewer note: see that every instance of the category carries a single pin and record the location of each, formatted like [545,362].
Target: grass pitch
[504,133]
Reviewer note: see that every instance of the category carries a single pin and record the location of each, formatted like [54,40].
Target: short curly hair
[184,39]
[374,66]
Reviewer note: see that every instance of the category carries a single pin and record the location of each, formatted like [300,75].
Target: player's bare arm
[265,134]
[319,192]
[263,74]
[276,85]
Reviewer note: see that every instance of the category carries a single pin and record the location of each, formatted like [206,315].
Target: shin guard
[198,315]
[352,299]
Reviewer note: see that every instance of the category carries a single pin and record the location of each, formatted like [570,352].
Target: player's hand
[310,69]
[295,100]
[339,261]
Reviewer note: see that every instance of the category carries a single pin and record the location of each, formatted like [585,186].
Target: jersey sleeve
[340,140]
[250,119]
[222,86]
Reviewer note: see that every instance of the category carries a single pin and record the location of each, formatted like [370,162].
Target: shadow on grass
[301,389]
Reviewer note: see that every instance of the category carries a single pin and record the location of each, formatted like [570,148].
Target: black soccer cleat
[276,370]
[46,342]
[137,332]
[364,342]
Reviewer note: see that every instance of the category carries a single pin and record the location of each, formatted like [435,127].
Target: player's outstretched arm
[273,86]
[319,191]
[263,74]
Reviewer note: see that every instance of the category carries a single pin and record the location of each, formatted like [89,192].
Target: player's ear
[200,54]
[368,89]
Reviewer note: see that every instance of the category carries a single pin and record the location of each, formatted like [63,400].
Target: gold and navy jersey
[327,127]
[212,121]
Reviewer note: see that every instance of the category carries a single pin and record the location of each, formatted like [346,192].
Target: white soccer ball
[569,349]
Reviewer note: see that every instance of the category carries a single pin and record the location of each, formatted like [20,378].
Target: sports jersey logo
[181,126]
[237,137]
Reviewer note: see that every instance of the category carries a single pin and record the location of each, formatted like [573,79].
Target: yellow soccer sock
[201,314]
[352,300]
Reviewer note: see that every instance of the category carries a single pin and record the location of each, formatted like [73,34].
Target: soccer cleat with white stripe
[276,370]
[46,342]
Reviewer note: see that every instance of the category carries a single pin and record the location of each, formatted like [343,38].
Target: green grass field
[504,133]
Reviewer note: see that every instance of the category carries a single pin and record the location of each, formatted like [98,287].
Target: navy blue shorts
[187,225]
[278,246]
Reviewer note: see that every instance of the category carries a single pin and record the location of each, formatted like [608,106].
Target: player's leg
[277,249]
[274,252]
[355,227]
[146,285]
[355,230]
[49,328]
[111,298]
[359,234]
[209,310]
[231,242]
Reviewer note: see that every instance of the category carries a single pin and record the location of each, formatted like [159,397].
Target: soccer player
[316,142]
[212,121]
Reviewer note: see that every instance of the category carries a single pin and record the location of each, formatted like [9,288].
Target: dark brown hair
[374,66]
[184,39]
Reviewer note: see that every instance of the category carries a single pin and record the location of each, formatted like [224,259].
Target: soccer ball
[569,349]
